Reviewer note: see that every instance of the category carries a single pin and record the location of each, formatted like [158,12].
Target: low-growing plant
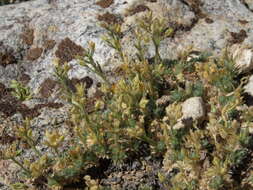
[201,155]
[20,91]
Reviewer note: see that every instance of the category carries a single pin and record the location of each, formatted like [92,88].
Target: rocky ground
[34,33]
[7,2]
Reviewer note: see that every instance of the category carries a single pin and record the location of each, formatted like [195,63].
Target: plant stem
[31,143]
[20,165]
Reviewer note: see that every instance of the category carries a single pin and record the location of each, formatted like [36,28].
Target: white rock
[194,108]
[249,87]
[242,55]
[249,3]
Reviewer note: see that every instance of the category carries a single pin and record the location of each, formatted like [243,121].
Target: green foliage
[157,29]
[238,156]
[216,183]
[191,90]
[145,187]
[113,38]
[18,186]
[88,61]
[20,91]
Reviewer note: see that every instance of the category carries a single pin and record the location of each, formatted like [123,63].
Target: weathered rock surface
[249,87]
[33,33]
[193,108]
[243,57]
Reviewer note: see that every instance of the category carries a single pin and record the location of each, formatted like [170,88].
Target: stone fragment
[193,108]
[249,4]
[242,56]
[248,88]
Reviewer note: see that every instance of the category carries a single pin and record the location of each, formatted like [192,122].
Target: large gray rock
[243,57]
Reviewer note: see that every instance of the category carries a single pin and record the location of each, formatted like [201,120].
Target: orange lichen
[243,22]
[138,9]
[10,105]
[49,44]
[34,53]
[68,50]
[109,18]
[209,20]
[28,36]
[47,87]
[104,3]
[7,58]
[24,78]
[238,37]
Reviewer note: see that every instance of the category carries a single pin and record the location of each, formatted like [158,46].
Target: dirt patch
[49,44]
[139,171]
[28,36]
[47,87]
[68,50]
[7,56]
[238,37]
[104,3]
[34,53]
[138,9]
[109,18]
